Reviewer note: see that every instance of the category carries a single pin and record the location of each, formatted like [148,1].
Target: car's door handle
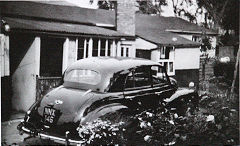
[158,93]
[129,97]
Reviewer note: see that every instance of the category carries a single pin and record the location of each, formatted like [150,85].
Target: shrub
[224,69]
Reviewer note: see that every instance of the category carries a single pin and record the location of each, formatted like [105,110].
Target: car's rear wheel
[125,123]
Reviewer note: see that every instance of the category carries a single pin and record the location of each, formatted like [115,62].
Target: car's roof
[106,66]
[110,64]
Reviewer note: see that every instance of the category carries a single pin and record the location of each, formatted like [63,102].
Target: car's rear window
[83,76]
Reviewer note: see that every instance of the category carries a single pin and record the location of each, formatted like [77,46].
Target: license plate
[49,114]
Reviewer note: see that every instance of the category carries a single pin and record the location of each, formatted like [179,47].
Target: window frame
[137,88]
[151,79]
[166,76]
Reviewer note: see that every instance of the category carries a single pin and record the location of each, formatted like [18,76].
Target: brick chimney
[125,16]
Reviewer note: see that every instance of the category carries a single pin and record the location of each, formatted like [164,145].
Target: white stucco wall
[213,39]
[24,78]
[187,58]
[155,55]
[144,45]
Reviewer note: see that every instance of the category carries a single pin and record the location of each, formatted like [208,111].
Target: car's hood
[65,101]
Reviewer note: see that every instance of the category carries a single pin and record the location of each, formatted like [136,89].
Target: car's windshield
[83,76]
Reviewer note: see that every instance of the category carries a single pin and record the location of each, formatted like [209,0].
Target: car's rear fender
[97,101]
[101,111]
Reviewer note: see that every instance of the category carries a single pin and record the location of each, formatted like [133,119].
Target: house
[44,39]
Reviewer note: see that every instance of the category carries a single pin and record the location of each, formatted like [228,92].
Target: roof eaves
[194,44]
[65,33]
[190,32]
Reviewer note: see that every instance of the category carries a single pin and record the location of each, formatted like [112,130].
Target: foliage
[215,122]
[224,69]
[150,7]
[106,4]
[206,43]
[182,7]
[145,6]
[101,132]
[224,13]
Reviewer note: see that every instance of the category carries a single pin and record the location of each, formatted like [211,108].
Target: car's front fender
[182,92]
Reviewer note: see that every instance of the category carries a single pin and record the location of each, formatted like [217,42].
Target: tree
[150,6]
[144,6]
[106,4]
[182,8]
[224,13]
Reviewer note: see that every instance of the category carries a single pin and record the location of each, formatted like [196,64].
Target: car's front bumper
[43,135]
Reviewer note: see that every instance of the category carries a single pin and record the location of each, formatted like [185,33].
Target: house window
[125,51]
[146,54]
[170,66]
[166,60]
[140,77]
[164,52]
[80,48]
[196,38]
[95,47]
[122,49]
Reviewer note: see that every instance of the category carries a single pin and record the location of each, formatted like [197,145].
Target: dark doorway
[51,57]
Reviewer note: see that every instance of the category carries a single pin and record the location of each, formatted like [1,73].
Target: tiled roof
[168,24]
[165,38]
[76,14]
[55,12]
[54,18]
[47,26]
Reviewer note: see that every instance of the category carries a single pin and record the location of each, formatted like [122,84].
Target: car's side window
[158,75]
[117,82]
[140,77]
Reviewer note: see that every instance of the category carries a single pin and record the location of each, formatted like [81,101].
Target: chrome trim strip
[51,137]
[54,138]
[25,129]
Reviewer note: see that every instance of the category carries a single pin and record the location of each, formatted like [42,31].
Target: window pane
[117,82]
[95,47]
[166,65]
[170,66]
[80,48]
[162,53]
[127,49]
[130,81]
[167,52]
[142,76]
[122,50]
[83,76]
[103,43]
[158,75]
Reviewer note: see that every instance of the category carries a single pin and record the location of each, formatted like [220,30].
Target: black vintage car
[97,86]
